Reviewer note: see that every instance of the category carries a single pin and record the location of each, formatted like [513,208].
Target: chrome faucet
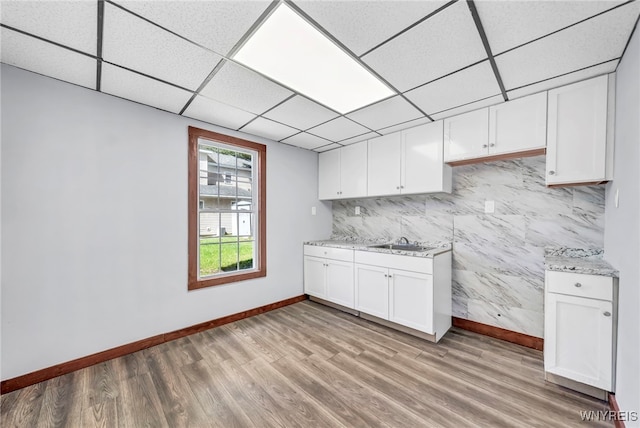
[402,238]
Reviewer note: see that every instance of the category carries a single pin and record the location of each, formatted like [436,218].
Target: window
[227,209]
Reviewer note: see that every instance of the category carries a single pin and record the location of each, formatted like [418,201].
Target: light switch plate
[489,207]
[357,210]
[313,210]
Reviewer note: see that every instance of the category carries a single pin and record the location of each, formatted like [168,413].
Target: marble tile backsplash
[498,258]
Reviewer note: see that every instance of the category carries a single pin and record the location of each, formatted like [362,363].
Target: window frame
[260,260]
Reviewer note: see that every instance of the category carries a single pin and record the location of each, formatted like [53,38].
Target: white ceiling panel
[47,59]
[269,129]
[386,113]
[362,25]
[444,43]
[217,113]
[71,23]
[136,44]
[469,107]
[471,84]
[594,41]
[598,70]
[245,89]
[338,129]
[405,125]
[218,25]
[512,23]
[327,147]
[132,86]
[301,113]
[306,141]
[359,138]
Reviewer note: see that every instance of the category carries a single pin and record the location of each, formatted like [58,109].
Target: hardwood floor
[307,365]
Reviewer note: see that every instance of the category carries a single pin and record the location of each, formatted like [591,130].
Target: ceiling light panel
[217,25]
[306,141]
[327,148]
[338,129]
[269,129]
[217,113]
[359,138]
[300,113]
[291,51]
[468,85]
[608,67]
[362,25]
[125,84]
[444,43]
[511,23]
[497,99]
[405,125]
[47,59]
[71,23]
[386,113]
[136,44]
[245,89]
[594,41]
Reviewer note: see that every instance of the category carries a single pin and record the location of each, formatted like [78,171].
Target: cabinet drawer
[393,261]
[329,253]
[576,284]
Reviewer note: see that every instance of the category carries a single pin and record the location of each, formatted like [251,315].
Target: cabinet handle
[484,146]
[552,172]
[492,145]
[397,187]
[607,314]
[402,187]
[577,284]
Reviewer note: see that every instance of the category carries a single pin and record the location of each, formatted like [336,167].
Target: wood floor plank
[22,408]
[62,403]
[102,415]
[138,404]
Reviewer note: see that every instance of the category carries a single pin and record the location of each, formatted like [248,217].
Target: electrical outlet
[357,210]
[313,210]
[489,207]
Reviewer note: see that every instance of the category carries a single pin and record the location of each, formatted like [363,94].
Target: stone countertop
[365,245]
[578,260]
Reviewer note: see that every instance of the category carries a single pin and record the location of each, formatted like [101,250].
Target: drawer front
[393,261]
[329,253]
[580,285]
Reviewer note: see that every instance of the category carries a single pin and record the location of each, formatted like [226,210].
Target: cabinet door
[372,290]
[518,125]
[578,339]
[466,136]
[411,300]
[329,175]
[577,132]
[353,170]
[314,277]
[383,169]
[422,159]
[340,288]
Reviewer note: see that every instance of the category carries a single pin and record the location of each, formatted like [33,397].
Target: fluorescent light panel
[291,51]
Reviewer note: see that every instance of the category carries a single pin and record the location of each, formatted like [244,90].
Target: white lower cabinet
[411,299]
[328,274]
[372,290]
[579,332]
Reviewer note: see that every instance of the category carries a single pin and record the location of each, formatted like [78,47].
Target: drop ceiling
[439,58]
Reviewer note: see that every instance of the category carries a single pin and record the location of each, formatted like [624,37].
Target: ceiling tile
[566,79]
[469,107]
[126,84]
[136,44]
[71,23]
[512,23]
[301,113]
[594,41]
[47,59]
[362,25]
[405,125]
[446,42]
[338,129]
[269,129]
[386,113]
[217,113]
[218,25]
[306,141]
[327,147]
[471,84]
[359,138]
[245,89]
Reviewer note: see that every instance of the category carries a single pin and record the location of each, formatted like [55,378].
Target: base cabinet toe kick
[409,293]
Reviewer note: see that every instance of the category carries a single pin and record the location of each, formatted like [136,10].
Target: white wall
[622,227]
[94,215]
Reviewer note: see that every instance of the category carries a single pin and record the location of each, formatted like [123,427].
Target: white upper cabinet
[342,173]
[466,136]
[519,125]
[580,132]
[408,162]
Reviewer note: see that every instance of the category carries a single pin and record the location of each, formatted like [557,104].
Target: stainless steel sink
[403,247]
